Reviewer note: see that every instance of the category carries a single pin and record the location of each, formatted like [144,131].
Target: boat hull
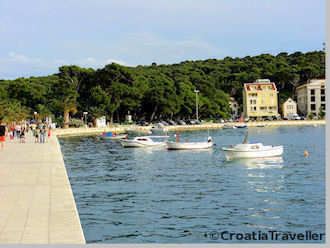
[188,145]
[117,137]
[270,152]
[137,144]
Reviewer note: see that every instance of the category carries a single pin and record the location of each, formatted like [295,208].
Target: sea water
[137,195]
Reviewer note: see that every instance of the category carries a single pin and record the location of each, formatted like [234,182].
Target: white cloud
[16,64]
[21,58]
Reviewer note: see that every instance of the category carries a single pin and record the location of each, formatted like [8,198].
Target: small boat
[144,141]
[227,126]
[114,136]
[171,145]
[256,150]
[159,128]
[241,126]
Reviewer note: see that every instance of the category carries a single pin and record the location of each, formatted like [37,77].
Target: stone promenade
[36,201]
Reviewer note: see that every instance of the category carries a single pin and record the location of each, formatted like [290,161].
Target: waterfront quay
[37,203]
[143,130]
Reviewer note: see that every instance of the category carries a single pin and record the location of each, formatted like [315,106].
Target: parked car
[181,122]
[269,118]
[171,122]
[293,117]
[191,122]
[142,123]
[164,123]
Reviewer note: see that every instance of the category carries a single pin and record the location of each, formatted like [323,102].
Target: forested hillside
[155,91]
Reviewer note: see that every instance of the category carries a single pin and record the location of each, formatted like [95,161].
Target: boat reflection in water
[261,163]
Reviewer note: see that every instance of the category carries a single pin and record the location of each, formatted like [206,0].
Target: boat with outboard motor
[248,150]
[144,141]
[176,145]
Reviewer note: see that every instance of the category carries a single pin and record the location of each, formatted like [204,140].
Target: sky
[38,36]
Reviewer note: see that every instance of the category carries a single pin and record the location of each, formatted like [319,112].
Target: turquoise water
[154,195]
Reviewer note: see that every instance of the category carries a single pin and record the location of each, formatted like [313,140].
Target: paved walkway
[36,200]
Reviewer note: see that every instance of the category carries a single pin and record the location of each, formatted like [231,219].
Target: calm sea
[154,195]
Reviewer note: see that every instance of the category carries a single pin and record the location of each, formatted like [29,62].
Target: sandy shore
[204,126]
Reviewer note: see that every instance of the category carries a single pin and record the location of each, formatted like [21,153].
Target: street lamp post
[35,115]
[85,117]
[196,91]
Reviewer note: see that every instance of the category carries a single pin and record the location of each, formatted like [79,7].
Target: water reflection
[262,163]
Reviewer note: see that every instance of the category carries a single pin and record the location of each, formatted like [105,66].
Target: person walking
[49,131]
[42,134]
[12,131]
[36,134]
[22,136]
[3,131]
[17,130]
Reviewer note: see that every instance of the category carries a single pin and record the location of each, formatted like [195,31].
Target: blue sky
[37,36]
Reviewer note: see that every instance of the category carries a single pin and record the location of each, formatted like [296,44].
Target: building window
[253,94]
[253,108]
[312,98]
[322,91]
[312,92]
[323,106]
[322,98]
[313,107]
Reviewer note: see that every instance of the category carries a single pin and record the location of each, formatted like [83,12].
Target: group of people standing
[40,131]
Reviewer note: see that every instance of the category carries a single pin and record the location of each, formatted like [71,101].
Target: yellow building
[260,99]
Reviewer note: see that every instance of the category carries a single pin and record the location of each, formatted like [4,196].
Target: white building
[234,107]
[289,107]
[101,122]
[311,97]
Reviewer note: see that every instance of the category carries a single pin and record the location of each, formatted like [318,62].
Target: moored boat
[171,145]
[240,126]
[227,126]
[114,136]
[256,150]
[144,141]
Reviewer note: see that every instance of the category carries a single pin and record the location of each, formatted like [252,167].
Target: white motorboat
[144,141]
[226,126]
[256,150]
[159,128]
[241,125]
[189,145]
